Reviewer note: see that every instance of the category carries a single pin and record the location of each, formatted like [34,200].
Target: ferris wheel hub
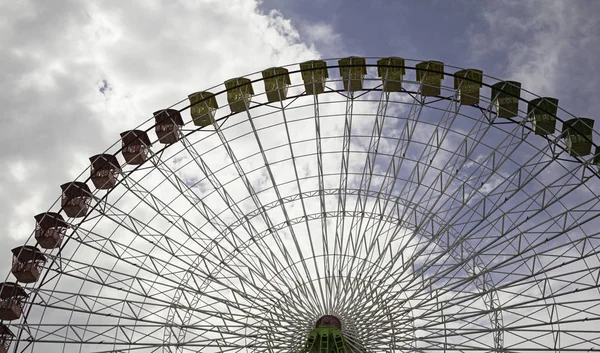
[329,320]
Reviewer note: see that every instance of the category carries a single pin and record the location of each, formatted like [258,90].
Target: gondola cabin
[75,199]
[543,112]
[392,71]
[239,93]
[135,146]
[430,75]
[203,106]
[467,84]
[50,228]
[6,337]
[27,262]
[578,134]
[314,75]
[168,125]
[505,96]
[12,301]
[277,80]
[353,70]
[104,169]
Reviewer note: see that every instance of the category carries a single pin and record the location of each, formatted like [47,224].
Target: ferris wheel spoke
[160,210]
[226,343]
[321,190]
[279,197]
[225,233]
[420,246]
[133,335]
[369,167]
[493,198]
[456,160]
[426,157]
[372,149]
[519,286]
[338,237]
[397,160]
[221,190]
[125,305]
[171,247]
[268,222]
[242,219]
[563,227]
[302,201]
[486,205]
[146,292]
[538,203]
[423,164]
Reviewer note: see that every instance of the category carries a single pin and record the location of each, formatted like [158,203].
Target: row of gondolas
[51,226]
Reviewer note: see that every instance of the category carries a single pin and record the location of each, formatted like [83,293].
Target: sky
[77,73]
[74,74]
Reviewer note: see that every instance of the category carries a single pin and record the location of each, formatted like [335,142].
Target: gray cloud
[547,45]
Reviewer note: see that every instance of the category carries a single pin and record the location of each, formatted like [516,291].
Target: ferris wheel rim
[141,166]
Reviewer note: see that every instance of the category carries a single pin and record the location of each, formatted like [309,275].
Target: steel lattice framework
[422,223]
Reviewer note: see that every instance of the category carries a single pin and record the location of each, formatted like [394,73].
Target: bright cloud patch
[78,74]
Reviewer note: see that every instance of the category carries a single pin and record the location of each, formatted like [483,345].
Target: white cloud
[323,35]
[61,55]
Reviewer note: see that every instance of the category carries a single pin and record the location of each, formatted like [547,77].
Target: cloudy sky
[77,73]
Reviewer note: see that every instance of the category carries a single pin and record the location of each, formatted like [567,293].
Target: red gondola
[49,230]
[27,261]
[104,171]
[75,198]
[12,301]
[168,125]
[135,146]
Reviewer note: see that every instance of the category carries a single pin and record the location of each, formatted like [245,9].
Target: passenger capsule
[135,146]
[12,301]
[543,111]
[104,170]
[430,75]
[203,106]
[6,337]
[578,134]
[392,71]
[277,80]
[50,228]
[27,263]
[467,84]
[239,93]
[314,74]
[597,156]
[75,198]
[168,125]
[353,70]
[505,96]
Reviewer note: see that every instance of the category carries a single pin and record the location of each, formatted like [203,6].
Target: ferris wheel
[351,205]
